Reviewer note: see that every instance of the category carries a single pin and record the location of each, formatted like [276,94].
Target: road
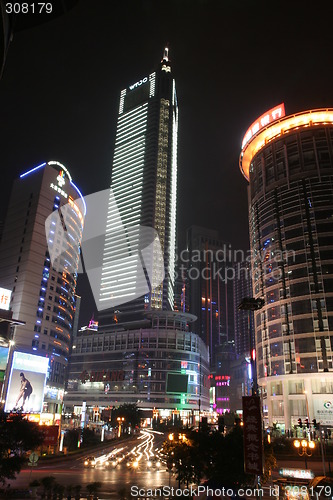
[128,466]
[73,471]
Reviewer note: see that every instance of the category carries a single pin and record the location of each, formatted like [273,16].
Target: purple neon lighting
[32,170]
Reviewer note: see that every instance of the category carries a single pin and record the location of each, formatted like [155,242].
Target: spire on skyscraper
[165,63]
[166,54]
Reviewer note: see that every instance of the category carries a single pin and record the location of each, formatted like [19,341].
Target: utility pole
[250,304]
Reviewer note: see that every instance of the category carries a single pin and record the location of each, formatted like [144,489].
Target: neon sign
[61,182]
[264,120]
[5,298]
[139,83]
[297,473]
[61,178]
[59,190]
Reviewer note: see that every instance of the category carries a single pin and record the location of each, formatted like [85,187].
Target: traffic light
[314,423]
[300,424]
[307,423]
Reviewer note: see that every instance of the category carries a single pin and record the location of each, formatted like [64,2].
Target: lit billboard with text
[26,383]
[5,296]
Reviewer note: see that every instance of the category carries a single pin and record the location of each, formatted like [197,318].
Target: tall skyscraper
[244,327]
[143,184]
[288,161]
[210,293]
[42,294]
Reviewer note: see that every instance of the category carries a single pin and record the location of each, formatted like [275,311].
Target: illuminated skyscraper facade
[143,183]
[42,295]
[288,161]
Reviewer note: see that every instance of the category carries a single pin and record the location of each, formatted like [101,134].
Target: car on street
[132,463]
[90,462]
[111,462]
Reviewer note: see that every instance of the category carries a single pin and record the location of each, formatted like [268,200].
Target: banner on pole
[253,452]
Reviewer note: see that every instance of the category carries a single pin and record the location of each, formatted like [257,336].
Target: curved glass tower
[42,293]
[288,161]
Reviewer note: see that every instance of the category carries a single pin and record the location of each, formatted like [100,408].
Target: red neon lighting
[270,116]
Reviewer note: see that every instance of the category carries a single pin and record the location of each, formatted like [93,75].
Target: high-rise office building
[244,327]
[288,161]
[43,294]
[210,290]
[143,186]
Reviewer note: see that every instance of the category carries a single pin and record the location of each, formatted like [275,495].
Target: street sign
[253,451]
[297,473]
[33,459]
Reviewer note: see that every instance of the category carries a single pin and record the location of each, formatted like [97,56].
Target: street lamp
[120,422]
[304,448]
[251,304]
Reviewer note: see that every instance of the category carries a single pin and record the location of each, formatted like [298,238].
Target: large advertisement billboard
[323,410]
[26,383]
[177,383]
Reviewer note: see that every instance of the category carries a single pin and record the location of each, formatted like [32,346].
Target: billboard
[253,451]
[177,382]
[5,298]
[26,383]
[323,410]
[51,433]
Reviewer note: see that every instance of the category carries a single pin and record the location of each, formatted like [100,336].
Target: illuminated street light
[304,448]
[120,422]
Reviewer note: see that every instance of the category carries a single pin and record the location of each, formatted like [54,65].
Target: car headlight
[114,463]
[135,464]
[107,463]
[158,464]
[149,463]
[93,462]
[86,462]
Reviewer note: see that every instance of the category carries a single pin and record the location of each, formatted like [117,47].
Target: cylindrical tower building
[288,161]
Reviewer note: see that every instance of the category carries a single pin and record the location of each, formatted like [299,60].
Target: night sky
[232,60]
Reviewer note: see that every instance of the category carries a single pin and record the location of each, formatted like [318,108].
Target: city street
[135,462]
[72,471]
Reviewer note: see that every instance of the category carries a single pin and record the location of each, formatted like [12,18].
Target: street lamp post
[120,422]
[304,448]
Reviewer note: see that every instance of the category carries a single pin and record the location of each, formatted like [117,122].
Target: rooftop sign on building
[270,116]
